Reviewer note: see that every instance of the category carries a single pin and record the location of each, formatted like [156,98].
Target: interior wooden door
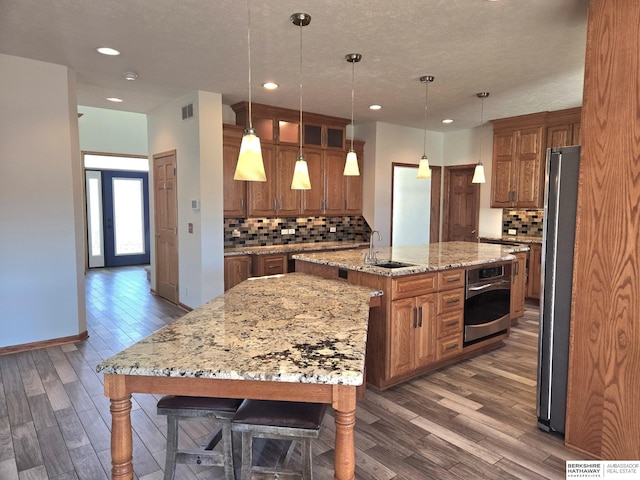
[462,204]
[166,224]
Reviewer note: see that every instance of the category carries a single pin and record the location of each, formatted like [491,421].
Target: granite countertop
[514,239]
[423,258]
[283,328]
[292,247]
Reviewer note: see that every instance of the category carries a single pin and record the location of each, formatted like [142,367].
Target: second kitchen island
[419,325]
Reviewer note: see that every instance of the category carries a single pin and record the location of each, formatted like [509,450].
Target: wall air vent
[187,111]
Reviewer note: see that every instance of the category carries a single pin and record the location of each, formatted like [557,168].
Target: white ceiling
[529,54]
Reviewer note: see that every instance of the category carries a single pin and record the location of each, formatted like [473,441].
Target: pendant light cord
[301,89]
[249,57]
[353,78]
[481,120]
[426,93]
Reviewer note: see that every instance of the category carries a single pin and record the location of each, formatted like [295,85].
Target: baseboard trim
[184,307]
[54,342]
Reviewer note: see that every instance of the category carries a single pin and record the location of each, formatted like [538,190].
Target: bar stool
[178,408]
[295,421]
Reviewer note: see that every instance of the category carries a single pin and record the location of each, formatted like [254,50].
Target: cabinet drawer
[451,300]
[413,285]
[448,346]
[269,264]
[449,323]
[450,279]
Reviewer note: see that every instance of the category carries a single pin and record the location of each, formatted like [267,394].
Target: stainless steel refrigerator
[559,225]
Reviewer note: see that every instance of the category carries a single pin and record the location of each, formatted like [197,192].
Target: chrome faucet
[370,257]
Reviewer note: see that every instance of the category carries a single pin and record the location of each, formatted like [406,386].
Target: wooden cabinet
[518,286]
[237,269]
[325,150]
[518,162]
[273,264]
[535,271]
[563,127]
[235,191]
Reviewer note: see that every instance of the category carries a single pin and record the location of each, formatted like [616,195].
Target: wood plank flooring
[472,420]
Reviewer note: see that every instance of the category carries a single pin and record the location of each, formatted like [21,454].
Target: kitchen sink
[393,264]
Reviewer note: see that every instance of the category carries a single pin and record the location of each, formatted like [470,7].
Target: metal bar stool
[178,408]
[295,421]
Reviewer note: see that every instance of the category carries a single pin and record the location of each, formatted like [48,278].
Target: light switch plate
[284,231]
[332,229]
[512,231]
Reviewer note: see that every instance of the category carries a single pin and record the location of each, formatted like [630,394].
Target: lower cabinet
[236,269]
[535,271]
[412,333]
[518,285]
[273,264]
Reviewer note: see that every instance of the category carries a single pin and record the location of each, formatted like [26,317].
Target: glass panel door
[95,243]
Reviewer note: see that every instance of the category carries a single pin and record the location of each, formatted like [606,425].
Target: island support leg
[121,439]
[344,404]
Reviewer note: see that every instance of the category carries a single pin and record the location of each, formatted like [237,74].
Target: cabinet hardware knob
[415,317]
[451,347]
[453,279]
[453,300]
[452,323]
[420,316]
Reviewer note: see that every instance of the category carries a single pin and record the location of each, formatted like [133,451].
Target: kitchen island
[419,326]
[292,337]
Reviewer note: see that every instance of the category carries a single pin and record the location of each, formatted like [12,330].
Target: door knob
[473,232]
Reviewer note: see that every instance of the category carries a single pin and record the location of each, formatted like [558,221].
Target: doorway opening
[117,209]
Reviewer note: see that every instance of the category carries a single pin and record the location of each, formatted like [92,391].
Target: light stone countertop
[423,258]
[283,328]
[292,247]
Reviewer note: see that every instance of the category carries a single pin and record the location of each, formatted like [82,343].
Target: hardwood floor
[472,420]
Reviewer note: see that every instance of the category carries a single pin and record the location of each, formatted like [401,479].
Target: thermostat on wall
[195,204]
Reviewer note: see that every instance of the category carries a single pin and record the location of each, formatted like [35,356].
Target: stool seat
[295,421]
[221,410]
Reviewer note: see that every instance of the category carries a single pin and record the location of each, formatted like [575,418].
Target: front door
[462,205]
[166,224]
[126,218]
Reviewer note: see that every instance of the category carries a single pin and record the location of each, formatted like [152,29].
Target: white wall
[391,143]
[41,246]
[464,147]
[198,145]
[112,131]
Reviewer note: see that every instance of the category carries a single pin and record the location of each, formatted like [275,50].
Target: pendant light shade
[250,165]
[424,171]
[351,164]
[301,180]
[478,173]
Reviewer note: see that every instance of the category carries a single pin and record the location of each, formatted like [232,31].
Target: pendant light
[478,173]
[351,165]
[250,165]
[301,179]
[423,168]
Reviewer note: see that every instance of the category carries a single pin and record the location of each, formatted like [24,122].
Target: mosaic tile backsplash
[258,232]
[526,222]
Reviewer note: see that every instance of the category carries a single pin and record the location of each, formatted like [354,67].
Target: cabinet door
[234,190]
[353,200]
[425,332]
[502,169]
[559,136]
[313,200]
[288,201]
[402,333]
[335,136]
[274,264]
[529,172]
[535,271]
[236,269]
[261,195]
[575,135]
[518,285]
[335,182]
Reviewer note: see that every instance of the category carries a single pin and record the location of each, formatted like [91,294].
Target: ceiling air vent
[187,111]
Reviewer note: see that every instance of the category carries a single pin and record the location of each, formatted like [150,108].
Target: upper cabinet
[324,148]
[519,154]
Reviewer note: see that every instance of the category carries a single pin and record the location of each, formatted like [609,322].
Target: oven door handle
[487,287]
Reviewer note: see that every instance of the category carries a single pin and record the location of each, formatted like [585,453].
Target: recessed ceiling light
[375,107]
[108,51]
[130,75]
[270,85]
[114,99]
[447,120]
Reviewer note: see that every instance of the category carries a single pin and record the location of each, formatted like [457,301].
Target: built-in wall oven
[487,302]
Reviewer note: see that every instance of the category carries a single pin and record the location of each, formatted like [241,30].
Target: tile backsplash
[256,232]
[525,222]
